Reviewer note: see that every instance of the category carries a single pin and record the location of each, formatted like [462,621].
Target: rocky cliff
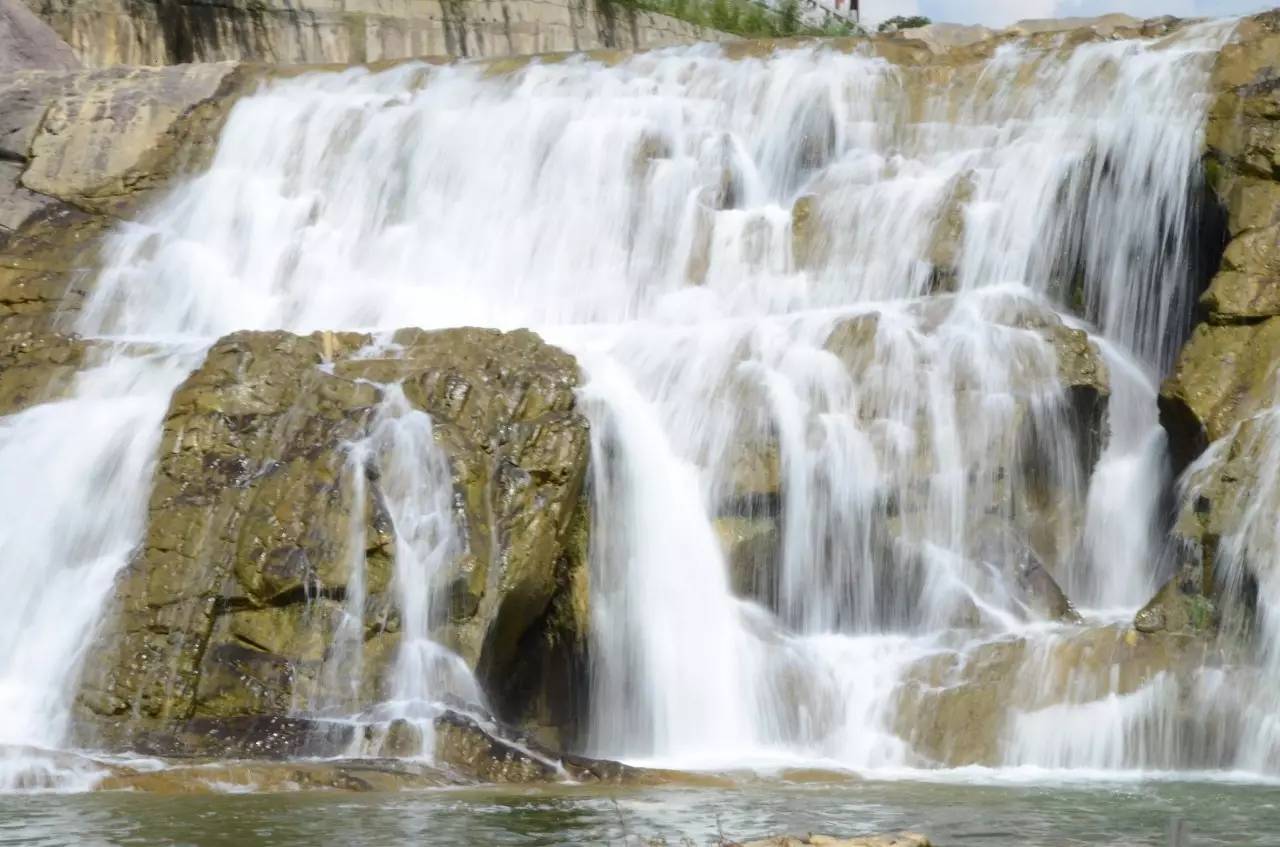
[165,32]
[1220,392]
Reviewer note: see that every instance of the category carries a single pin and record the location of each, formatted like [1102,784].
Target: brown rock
[230,607]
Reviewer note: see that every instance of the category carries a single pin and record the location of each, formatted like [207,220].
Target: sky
[1000,12]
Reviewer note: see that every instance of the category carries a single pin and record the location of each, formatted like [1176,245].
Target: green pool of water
[999,815]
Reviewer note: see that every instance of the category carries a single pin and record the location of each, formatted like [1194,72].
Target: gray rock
[27,43]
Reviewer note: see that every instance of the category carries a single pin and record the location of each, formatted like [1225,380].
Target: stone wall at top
[164,32]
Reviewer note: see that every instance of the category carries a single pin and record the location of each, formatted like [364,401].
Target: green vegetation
[747,18]
[904,22]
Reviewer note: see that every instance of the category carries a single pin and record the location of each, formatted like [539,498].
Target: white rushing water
[741,253]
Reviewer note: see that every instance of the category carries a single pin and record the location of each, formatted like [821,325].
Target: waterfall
[417,487]
[1244,560]
[822,301]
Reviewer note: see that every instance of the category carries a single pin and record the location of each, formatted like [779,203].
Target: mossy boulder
[232,605]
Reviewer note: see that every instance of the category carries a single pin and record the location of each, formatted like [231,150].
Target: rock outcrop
[119,32]
[231,607]
[78,151]
[1225,383]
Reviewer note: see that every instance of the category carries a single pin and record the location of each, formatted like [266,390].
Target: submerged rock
[360,757]
[358,775]
[900,839]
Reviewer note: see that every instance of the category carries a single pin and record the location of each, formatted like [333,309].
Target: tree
[904,22]
[789,17]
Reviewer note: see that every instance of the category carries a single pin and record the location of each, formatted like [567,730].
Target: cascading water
[817,299]
[417,488]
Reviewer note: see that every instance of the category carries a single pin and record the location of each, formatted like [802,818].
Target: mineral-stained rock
[1031,511]
[1225,377]
[753,550]
[948,235]
[78,149]
[228,609]
[110,32]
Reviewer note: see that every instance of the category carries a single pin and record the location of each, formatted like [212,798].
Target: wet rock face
[958,708]
[35,367]
[231,606]
[465,750]
[1225,373]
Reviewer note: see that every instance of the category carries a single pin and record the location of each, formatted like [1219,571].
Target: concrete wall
[160,32]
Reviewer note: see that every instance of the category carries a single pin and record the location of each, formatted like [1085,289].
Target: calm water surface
[952,814]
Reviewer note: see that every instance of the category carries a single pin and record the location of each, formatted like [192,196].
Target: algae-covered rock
[35,367]
[1222,376]
[260,519]
[1176,607]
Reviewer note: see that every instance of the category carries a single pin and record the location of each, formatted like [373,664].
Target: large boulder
[258,523]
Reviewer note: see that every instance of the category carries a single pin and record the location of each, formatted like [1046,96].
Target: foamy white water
[641,215]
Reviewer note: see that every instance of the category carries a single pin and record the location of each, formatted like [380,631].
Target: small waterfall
[417,489]
[74,479]
[822,302]
[1244,561]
